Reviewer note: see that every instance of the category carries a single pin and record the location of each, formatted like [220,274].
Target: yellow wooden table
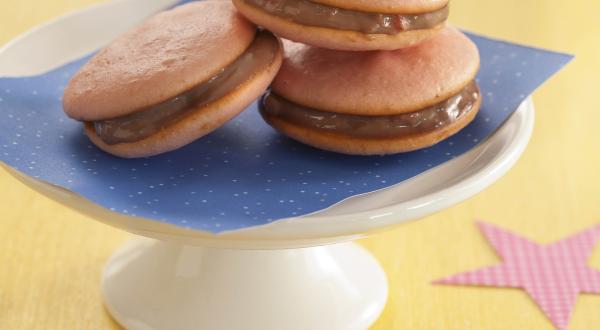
[51,257]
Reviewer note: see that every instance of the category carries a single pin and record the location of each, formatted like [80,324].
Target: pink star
[553,275]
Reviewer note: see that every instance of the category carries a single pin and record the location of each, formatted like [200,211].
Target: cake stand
[297,273]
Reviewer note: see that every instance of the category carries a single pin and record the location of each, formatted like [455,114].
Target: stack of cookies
[368,76]
[361,77]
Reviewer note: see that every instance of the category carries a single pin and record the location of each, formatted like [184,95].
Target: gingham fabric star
[553,275]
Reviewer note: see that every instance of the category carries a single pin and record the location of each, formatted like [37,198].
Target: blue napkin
[244,174]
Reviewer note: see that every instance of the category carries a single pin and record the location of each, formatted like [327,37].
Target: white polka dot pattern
[244,174]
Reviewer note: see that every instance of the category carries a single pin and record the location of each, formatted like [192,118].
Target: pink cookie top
[378,82]
[387,6]
[164,56]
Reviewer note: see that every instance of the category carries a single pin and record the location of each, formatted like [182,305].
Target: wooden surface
[51,257]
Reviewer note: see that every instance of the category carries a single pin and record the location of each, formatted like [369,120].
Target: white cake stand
[298,273]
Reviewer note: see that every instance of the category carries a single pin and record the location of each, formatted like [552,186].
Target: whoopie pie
[378,102]
[173,79]
[349,24]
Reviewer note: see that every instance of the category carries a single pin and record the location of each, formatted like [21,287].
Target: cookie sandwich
[354,25]
[378,102]
[173,79]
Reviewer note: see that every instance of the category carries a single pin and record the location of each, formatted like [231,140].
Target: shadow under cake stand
[298,273]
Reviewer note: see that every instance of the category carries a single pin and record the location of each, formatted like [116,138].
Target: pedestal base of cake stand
[150,284]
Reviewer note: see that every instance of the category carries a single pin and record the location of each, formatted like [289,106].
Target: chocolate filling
[419,122]
[313,14]
[148,121]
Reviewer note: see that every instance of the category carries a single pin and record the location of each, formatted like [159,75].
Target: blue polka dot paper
[244,174]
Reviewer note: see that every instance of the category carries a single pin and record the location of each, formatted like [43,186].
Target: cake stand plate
[298,273]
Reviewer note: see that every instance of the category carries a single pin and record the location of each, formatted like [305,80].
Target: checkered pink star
[553,275]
